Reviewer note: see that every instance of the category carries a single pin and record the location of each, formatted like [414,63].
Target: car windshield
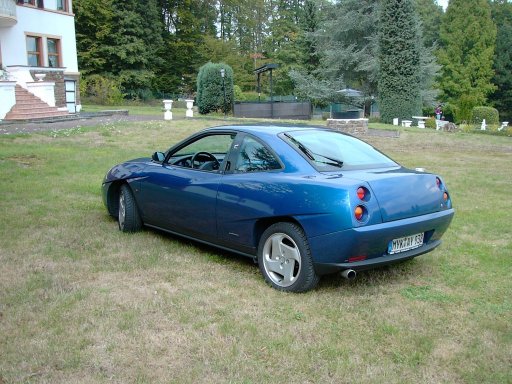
[332,151]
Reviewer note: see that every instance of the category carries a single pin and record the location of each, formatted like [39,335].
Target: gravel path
[86,121]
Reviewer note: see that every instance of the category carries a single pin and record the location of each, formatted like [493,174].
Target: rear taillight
[445,196]
[359,213]
[438,182]
[363,194]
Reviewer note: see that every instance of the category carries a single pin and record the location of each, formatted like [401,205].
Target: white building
[38,55]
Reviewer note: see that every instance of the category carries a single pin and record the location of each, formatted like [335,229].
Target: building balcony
[7,13]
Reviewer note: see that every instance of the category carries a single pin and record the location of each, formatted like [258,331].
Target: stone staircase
[29,107]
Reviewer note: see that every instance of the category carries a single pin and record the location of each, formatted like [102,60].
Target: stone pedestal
[190,105]
[167,107]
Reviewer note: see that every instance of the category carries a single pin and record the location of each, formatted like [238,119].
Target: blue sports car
[302,201]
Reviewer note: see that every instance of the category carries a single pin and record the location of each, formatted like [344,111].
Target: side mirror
[159,157]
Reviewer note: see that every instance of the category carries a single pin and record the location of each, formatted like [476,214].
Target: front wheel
[128,216]
[285,259]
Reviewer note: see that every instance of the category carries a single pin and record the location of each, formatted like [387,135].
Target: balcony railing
[7,13]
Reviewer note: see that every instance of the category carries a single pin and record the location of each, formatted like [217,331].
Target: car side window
[255,157]
[206,153]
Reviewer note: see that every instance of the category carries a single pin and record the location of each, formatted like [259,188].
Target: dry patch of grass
[82,302]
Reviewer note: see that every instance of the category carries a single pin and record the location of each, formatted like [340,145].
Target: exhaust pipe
[348,274]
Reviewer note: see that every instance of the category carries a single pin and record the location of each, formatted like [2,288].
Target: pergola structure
[263,69]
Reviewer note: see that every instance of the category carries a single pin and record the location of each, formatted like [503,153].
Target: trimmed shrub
[490,114]
[210,93]
[400,44]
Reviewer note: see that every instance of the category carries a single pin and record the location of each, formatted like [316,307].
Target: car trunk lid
[403,193]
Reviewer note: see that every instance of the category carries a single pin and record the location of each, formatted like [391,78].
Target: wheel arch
[113,197]
[262,224]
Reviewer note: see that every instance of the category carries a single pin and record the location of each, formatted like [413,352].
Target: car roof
[258,129]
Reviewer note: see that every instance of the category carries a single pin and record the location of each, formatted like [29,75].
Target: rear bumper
[333,252]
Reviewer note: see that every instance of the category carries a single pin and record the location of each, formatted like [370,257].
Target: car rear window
[332,151]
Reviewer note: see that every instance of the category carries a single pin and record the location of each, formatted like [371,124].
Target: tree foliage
[430,14]
[119,39]
[468,37]
[157,46]
[348,40]
[399,59]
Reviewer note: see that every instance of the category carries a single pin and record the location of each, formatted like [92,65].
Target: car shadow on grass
[380,277]
[385,276]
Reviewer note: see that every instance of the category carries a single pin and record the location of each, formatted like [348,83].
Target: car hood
[402,193]
[128,169]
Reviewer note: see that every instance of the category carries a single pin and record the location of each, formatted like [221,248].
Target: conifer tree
[430,14]
[309,24]
[468,38]
[349,45]
[400,60]
[211,88]
[502,97]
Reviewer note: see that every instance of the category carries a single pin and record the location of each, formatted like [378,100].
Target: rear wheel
[128,217]
[285,259]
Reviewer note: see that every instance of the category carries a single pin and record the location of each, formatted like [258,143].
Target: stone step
[28,107]
[33,107]
[36,115]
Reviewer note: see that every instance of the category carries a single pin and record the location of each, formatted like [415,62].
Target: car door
[180,193]
[249,191]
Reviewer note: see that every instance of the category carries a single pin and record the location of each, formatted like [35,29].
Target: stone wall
[352,126]
[58,78]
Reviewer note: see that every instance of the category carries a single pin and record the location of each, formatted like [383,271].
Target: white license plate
[405,243]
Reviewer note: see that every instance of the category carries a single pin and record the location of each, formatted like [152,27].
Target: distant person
[439,112]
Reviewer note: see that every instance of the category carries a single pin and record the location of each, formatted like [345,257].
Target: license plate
[405,243]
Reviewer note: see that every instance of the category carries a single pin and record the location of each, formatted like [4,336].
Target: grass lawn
[81,302]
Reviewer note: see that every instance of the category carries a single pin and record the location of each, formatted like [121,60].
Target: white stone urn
[40,76]
[167,107]
[190,105]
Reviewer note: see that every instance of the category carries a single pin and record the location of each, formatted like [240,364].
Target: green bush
[430,123]
[253,96]
[239,95]
[428,111]
[449,112]
[102,90]
[248,95]
[210,92]
[490,114]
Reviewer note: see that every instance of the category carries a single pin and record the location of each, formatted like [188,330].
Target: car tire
[128,214]
[284,258]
